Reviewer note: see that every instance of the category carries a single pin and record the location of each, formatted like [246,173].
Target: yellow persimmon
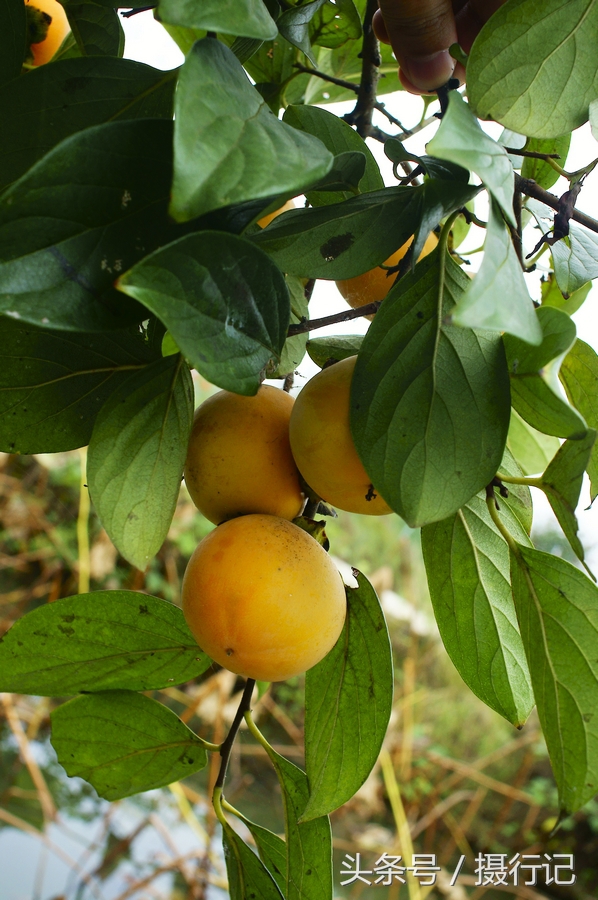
[58,28]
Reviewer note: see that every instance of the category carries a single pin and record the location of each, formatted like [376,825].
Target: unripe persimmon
[375,284]
[263,598]
[323,447]
[239,459]
[58,28]
[265,220]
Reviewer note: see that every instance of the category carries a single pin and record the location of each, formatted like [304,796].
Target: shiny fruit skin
[322,444]
[239,458]
[265,220]
[263,598]
[57,30]
[375,284]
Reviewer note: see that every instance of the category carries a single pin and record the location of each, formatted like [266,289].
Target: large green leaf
[124,743]
[228,145]
[467,564]
[557,607]
[352,237]
[249,18]
[136,457]
[53,383]
[569,303]
[223,300]
[55,101]
[498,298]
[248,878]
[336,23]
[575,259]
[579,375]
[96,28]
[293,24]
[461,140]
[272,850]
[348,701]
[99,641]
[534,68]
[532,449]
[13,38]
[538,169]
[85,212]
[429,401]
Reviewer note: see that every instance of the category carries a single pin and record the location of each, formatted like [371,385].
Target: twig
[345,316]
[529,187]
[227,744]
[532,154]
[139,9]
[361,115]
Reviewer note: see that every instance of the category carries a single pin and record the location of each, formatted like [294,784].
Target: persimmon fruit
[263,598]
[239,458]
[375,284]
[265,220]
[58,28]
[323,447]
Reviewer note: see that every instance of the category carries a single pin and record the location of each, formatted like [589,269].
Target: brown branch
[361,115]
[532,154]
[529,187]
[227,744]
[345,316]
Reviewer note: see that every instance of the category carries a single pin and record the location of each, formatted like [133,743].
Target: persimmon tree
[130,254]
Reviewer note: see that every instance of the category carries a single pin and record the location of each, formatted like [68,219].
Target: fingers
[472,17]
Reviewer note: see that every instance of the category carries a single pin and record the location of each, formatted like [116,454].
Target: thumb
[420,33]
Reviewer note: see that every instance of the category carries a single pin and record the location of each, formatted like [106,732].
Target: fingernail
[431,72]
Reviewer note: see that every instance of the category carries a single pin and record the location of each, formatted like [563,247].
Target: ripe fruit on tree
[263,598]
[265,220]
[239,458]
[375,284]
[58,27]
[323,447]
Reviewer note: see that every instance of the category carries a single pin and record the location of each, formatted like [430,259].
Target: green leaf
[336,23]
[53,383]
[579,375]
[352,237]
[223,300]
[272,850]
[124,743]
[348,701]
[273,63]
[53,102]
[533,66]
[467,564]
[535,387]
[347,170]
[85,212]
[96,28]
[552,295]
[537,169]
[429,401]
[519,500]
[293,24]
[248,18]
[345,63]
[228,146]
[498,298]
[247,876]
[561,482]
[575,259]
[136,457]
[13,38]
[461,140]
[532,449]
[337,347]
[557,607]
[293,349]
[99,641]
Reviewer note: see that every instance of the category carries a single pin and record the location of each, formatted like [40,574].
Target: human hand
[421,31]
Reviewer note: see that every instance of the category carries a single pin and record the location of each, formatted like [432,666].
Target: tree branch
[531,189]
[345,316]
[227,744]
[361,116]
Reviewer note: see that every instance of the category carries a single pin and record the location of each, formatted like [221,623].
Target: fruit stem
[217,804]
[257,733]
[227,744]
[513,479]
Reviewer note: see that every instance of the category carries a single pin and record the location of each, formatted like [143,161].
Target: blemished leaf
[461,140]
[136,457]
[348,701]
[247,876]
[352,237]
[293,25]
[309,844]
[336,23]
[429,401]
[85,212]
[228,145]
[575,259]
[248,18]
[561,482]
[99,641]
[293,349]
[532,449]
[579,375]
[538,169]
[553,296]
[498,299]
[96,28]
[467,564]
[124,743]
[529,53]
[223,300]
[13,38]
[272,850]
[53,102]
[54,383]
[336,347]
[557,607]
